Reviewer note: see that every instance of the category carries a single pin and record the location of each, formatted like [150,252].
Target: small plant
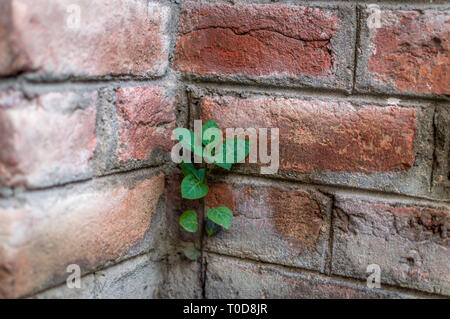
[213,152]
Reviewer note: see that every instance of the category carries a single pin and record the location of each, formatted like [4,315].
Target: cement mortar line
[301,92]
[22,190]
[172,76]
[332,188]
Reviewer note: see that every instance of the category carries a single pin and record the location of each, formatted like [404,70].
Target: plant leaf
[211,228]
[192,188]
[222,216]
[188,168]
[191,252]
[191,143]
[188,220]
[206,126]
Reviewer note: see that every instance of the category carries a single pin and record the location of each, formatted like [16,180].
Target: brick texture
[112,38]
[287,226]
[441,174]
[408,241]
[46,139]
[88,225]
[325,135]
[138,278]
[234,278]
[262,41]
[408,53]
[342,142]
[90,92]
[146,120]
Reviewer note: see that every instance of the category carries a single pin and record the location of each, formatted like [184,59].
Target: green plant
[213,152]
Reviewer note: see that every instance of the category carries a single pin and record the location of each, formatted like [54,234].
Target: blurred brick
[137,278]
[48,139]
[113,38]
[146,120]
[89,224]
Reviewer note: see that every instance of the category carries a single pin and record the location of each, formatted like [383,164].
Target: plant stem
[209,170]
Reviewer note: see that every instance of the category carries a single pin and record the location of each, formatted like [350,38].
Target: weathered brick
[274,223]
[88,224]
[407,53]
[137,278]
[146,119]
[112,38]
[441,173]
[183,279]
[47,139]
[325,135]
[235,278]
[257,41]
[408,241]
[337,141]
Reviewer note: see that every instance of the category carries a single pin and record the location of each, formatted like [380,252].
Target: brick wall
[90,93]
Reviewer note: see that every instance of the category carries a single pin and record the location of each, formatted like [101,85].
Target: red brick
[236,278]
[47,139]
[256,40]
[88,225]
[114,38]
[409,52]
[277,224]
[318,135]
[146,120]
[409,242]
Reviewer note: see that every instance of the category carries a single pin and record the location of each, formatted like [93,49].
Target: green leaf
[206,126]
[188,220]
[222,216]
[192,188]
[191,252]
[194,143]
[211,228]
[188,168]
